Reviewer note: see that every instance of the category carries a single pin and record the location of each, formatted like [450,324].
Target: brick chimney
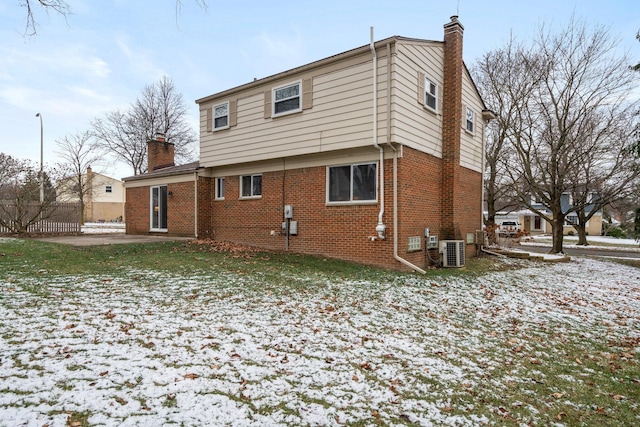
[160,153]
[451,127]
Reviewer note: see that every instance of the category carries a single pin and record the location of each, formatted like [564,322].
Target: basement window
[287,99]
[352,183]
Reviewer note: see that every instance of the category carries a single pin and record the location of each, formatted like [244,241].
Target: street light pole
[41,159]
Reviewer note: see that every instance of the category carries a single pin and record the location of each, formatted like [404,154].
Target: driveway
[109,239]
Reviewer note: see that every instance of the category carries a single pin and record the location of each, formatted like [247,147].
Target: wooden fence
[54,218]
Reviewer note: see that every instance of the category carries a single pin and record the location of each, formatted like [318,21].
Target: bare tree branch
[160,108]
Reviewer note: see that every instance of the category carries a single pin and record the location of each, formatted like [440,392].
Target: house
[533,223]
[353,156]
[104,197]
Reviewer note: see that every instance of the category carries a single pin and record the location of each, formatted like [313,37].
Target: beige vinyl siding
[413,124]
[340,117]
[341,157]
[471,145]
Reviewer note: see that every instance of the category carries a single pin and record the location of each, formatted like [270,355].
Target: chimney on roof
[160,153]
[451,128]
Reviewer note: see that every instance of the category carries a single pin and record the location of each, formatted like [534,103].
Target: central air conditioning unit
[452,253]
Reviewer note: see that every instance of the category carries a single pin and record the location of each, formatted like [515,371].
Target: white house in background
[534,224]
[104,202]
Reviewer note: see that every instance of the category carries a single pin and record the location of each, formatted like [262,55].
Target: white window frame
[160,211]
[251,196]
[220,188]
[470,119]
[351,200]
[427,92]
[108,189]
[213,112]
[274,101]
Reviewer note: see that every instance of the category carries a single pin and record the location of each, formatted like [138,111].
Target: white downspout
[380,228]
[395,215]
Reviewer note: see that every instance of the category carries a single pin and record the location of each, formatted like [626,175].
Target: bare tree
[505,80]
[62,8]
[20,194]
[161,108]
[78,153]
[566,133]
[608,171]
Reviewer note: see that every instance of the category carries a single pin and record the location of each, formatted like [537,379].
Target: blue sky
[101,57]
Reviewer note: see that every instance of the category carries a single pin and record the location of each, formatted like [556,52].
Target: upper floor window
[352,183]
[250,186]
[108,189]
[287,99]
[220,188]
[470,120]
[221,116]
[431,94]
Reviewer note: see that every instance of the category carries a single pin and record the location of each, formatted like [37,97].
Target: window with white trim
[287,99]
[470,120]
[158,205]
[221,116]
[250,186]
[352,183]
[219,188]
[108,189]
[430,94]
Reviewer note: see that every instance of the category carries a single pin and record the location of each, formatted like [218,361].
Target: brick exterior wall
[333,231]
[180,210]
[136,210]
[419,200]
[344,231]
[205,207]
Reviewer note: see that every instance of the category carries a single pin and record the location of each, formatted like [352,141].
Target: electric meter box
[288,211]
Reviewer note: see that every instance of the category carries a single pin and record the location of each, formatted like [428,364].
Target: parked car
[509,228]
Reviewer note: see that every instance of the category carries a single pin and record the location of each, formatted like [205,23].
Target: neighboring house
[104,199]
[534,224]
[352,156]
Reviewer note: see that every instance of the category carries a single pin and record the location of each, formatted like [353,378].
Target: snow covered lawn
[533,343]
